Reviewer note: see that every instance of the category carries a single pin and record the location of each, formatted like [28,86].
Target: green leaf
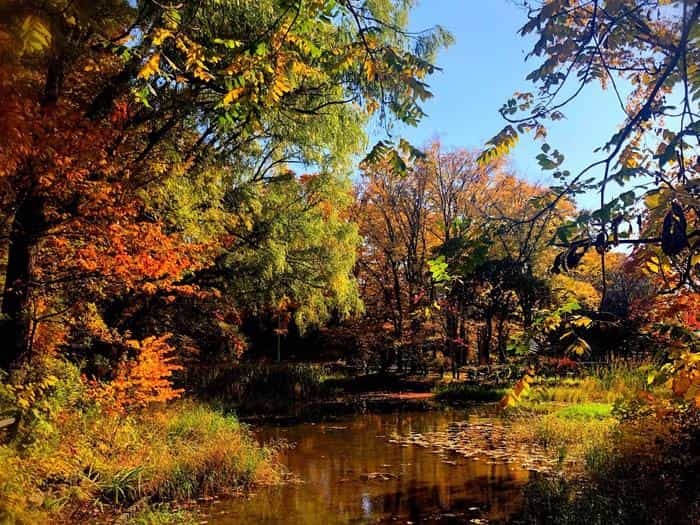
[627,198]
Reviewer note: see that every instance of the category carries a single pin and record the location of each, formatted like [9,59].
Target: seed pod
[674,238]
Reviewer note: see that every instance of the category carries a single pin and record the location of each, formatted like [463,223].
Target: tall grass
[71,456]
[601,384]
[647,471]
[613,469]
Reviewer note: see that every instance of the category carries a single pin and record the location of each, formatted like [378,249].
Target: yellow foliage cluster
[519,390]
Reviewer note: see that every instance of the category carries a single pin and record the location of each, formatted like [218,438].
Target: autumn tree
[435,239]
[393,214]
[106,102]
[493,269]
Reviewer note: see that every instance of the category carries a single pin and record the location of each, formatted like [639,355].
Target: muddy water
[359,470]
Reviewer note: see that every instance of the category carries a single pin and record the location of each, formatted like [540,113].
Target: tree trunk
[502,338]
[485,342]
[451,331]
[27,227]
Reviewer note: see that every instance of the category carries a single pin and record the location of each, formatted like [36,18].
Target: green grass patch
[586,411]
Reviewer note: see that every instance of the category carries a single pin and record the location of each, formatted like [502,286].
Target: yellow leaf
[581,321]
[579,347]
[233,95]
[652,267]
[160,35]
[151,67]
[370,69]
[653,200]
[201,72]
[35,35]
[508,401]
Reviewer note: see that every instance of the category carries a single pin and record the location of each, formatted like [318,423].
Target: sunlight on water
[355,471]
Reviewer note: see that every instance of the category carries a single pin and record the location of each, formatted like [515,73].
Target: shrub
[69,454]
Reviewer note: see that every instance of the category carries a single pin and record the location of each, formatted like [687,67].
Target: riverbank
[72,459]
[621,452]
[584,448]
[287,393]
[604,447]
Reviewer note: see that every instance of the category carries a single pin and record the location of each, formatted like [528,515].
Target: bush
[72,455]
[457,392]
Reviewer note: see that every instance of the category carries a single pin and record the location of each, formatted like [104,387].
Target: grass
[72,456]
[160,515]
[648,471]
[570,438]
[602,385]
[573,418]
[586,411]
[613,467]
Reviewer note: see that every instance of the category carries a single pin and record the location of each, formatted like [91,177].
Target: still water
[357,470]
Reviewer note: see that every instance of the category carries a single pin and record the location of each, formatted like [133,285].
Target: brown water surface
[354,470]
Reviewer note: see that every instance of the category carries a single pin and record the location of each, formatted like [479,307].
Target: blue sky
[482,69]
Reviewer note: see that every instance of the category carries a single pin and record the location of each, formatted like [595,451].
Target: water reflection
[351,473]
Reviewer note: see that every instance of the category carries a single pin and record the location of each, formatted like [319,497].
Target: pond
[385,468]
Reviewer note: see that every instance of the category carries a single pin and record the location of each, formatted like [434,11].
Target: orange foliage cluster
[95,240]
[146,379]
